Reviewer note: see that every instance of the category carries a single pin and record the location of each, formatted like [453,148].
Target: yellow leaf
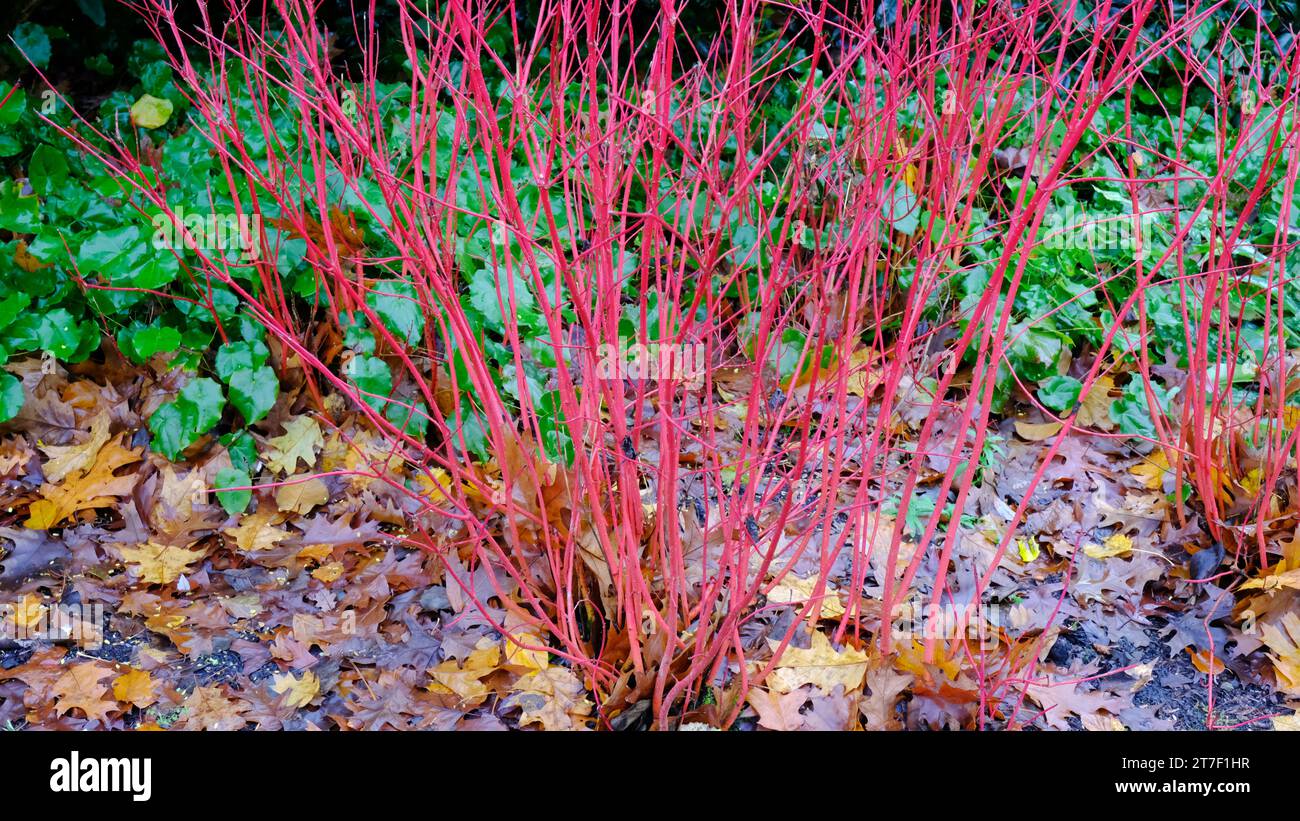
[1291,722]
[151,112]
[160,564]
[434,484]
[1276,581]
[70,459]
[463,680]
[42,514]
[328,572]
[821,664]
[553,697]
[1252,482]
[300,691]
[517,655]
[135,687]
[96,487]
[794,590]
[256,532]
[301,497]
[1037,432]
[1027,549]
[1117,545]
[1094,407]
[301,440]
[1152,470]
[27,613]
[1100,722]
[863,379]
[316,552]
[1286,653]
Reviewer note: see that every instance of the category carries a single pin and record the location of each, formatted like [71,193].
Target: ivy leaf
[555,429]
[242,450]
[178,424]
[413,420]
[1035,352]
[1060,393]
[373,376]
[234,501]
[234,357]
[205,397]
[33,42]
[11,306]
[11,396]
[397,304]
[140,343]
[491,297]
[1132,413]
[170,433]
[48,170]
[356,335]
[253,392]
[20,211]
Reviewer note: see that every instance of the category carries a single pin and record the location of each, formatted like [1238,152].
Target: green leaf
[1035,352]
[14,106]
[48,170]
[1060,393]
[140,343]
[58,333]
[205,397]
[11,306]
[11,396]
[20,211]
[488,295]
[397,304]
[234,501]
[555,429]
[240,356]
[1132,413]
[170,433]
[151,112]
[357,336]
[253,392]
[242,450]
[413,421]
[373,376]
[178,424]
[33,42]
[94,9]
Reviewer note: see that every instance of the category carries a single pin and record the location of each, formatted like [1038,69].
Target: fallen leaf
[257,531]
[69,459]
[160,564]
[297,692]
[1094,407]
[553,698]
[328,572]
[301,440]
[81,688]
[778,711]
[135,687]
[1037,431]
[1152,470]
[821,664]
[1117,545]
[96,488]
[301,497]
